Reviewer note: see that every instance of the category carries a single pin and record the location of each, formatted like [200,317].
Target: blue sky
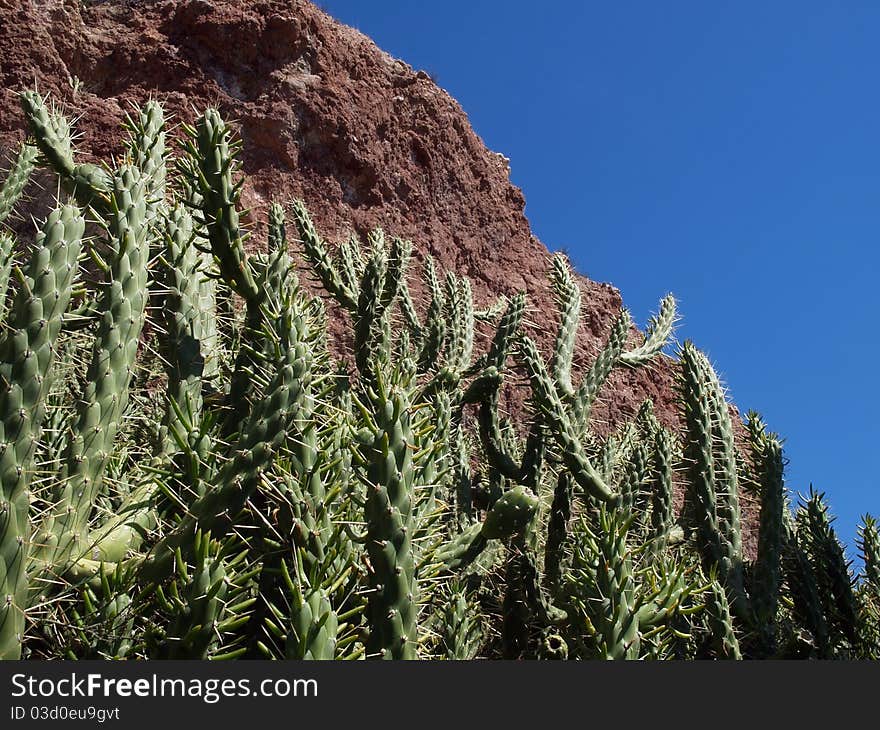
[727,152]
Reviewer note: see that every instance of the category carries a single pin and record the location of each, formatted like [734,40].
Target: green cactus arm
[351,264]
[51,132]
[278,285]
[461,318]
[209,167]
[89,184]
[712,457]
[123,533]
[868,541]
[834,580]
[662,511]
[199,603]
[410,316]
[657,335]
[266,430]
[27,352]
[506,332]
[313,627]
[146,150]
[632,483]
[803,595]
[646,420]
[368,325]
[696,408]
[602,586]
[16,179]
[461,475]
[462,549]
[461,632]
[435,328]
[209,318]
[432,453]
[534,456]
[557,532]
[868,544]
[313,624]
[64,532]
[548,401]
[277,230]
[7,261]
[396,268]
[488,367]
[490,428]
[598,373]
[568,301]
[184,339]
[768,461]
[726,467]
[513,514]
[315,251]
[720,623]
[278,281]
[388,512]
[211,287]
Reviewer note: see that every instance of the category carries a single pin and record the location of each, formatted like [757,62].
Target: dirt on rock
[326,116]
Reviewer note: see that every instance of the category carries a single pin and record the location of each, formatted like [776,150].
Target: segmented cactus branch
[16,179]
[64,534]
[27,352]
[712,461]
[210,167]
[657,335]
[90,184]
[548,400]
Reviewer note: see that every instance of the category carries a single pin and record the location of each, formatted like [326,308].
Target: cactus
[869,546]
[461,634]
[196,603]
[27,351]
[833,578]
[869,591]
[766,572]
[662,515]
[710,450]
[547,398]
[64,533]
[7,251]
[721,623]
[90,184]
[222,488]
[16,179]
[617,609]
[389,516]
[146,148]
[658,333]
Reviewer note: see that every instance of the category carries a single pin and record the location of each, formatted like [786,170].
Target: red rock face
[325,116]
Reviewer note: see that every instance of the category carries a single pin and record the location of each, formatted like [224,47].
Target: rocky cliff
[324,115]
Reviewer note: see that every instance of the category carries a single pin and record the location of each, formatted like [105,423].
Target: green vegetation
[187,472]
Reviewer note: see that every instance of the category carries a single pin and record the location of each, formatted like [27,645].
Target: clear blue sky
[727,152]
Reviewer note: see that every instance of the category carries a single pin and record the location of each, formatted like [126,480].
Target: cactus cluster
[181,481]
